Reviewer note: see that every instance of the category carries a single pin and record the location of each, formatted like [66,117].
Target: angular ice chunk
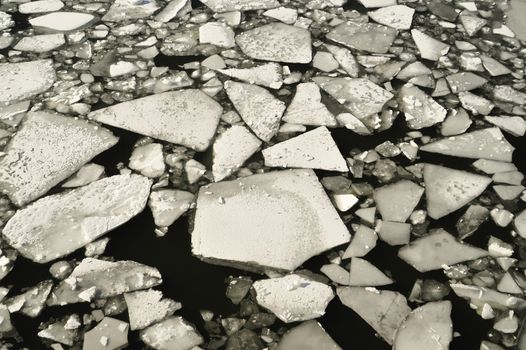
[457,122]
[59,224]
[174,8]
[60,332]
[276,42]
[62,22]
[186,117]
[486,143]
[383,310]
[148,160]
[449,189]
[475,103]
[283,14]
[293,297]
[268,74]
[260,110]
[345,58]
[174,333]
[421,110]
[314,149]
[306,107]
[146,307]
[121,10]
[47,149]
[216,33]
[515,126]
[396,202]
[231,149]
[240,5]
[168,205]
[429,48]
[439,248]
[109,334]
[87,174]
[309,335]
[24,80]
[361,96]
[103,279]
[426,327]
[40,43]
[363,273]
[278,220]
[363,36]
[397,16]
[40,6]
[363,241]
[32,301]
[464,81]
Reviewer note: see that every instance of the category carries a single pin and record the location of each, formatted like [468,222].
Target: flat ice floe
[47,149]
[275,220]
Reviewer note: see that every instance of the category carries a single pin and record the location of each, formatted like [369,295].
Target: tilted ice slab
[479,144]
[59,224]
[47,149]
[276,42]
[186,117]
[314,149]
[25,79]
[95,279]
[436,250]
[293,297]
[273,220]
[449,189]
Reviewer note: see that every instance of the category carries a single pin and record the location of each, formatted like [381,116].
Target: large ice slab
[479,144]
[314,149]
[25,79]
[260,110]
[59,224]
[277,42]
[274,220]
[436,250]
[185,117]
[450,189]
[95,279]
[62,22]
[293,297]
[47,149]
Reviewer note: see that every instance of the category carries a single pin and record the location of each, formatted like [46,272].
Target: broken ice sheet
[47,149]
[363,36]
[383,310]
[436,250]
[146,307]
[396,202]
[450,189]
[109,334]
[293,297]
[273,220]
[59,224]
[426,327]
[96,279]
[421,111]
[306,107]
[62,22]
[186,117]
[487,143]
[360,96]
[23,80]
[231,149]
[32,301]
[314,149]
[260,110]
[168,205]
[309,335]
[276,42]
[174,333]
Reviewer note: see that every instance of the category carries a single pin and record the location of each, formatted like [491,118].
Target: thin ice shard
[260,110]
[46,150]
[168,205]
[24,80]
[363,36]
[59,224]
[185,117]
[314,149]
[278,220]
[277,42]
[96,279]
[293,297]
[486,143]
[448,190]
[436,250]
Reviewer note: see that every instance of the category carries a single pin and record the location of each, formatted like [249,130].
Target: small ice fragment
[174,8]
[363,241]
[194,171]
[363,273]
[283,14]
[457,122]
[148,160]
[59,332]
[107,335]
[420,109]
[309,335]
[216,33]
[465,81]
[85,175]
[121,10]
[173,333]
[396,16]
[146,307]
[393,233]
[168,205]
[267,75]
[430,48]
[396,202]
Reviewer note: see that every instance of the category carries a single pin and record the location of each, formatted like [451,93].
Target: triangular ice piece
[314,149]
[260,110]
[306,107]
[396,202]
[268,75]
[365,274]
[309,335]
[480,144]
[449,189]
[437,250]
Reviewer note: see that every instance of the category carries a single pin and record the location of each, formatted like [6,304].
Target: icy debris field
[262,174]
